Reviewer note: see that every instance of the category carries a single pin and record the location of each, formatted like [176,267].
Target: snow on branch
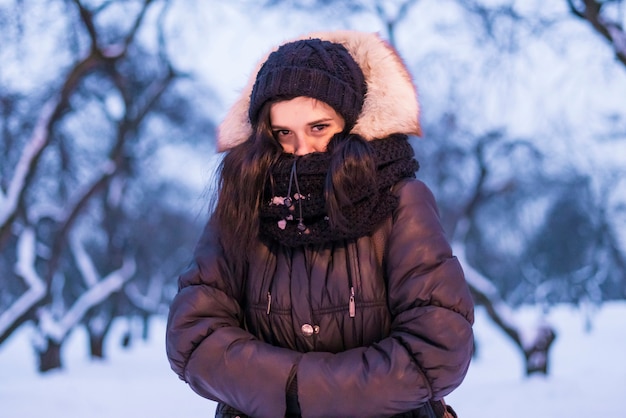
[57,330]
[26,165]
[152,301]
[84,262]
[24,268]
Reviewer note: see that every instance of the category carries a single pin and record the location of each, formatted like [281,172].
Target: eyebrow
[313,123]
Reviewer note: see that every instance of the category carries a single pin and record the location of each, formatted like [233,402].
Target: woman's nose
[304,145]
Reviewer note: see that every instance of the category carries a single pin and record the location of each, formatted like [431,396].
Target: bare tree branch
[612,31]
[87,19]
[100,59]
[391,20]
[131,35]
[50,114]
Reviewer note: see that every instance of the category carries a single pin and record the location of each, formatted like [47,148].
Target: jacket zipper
[269,302]
[351,280]
[352,305]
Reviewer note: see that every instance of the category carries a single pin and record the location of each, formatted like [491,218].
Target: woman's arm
[208,348]
[429,348]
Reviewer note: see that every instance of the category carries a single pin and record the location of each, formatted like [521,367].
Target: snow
[587,374]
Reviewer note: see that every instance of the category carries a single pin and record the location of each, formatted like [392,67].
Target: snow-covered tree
[103,93]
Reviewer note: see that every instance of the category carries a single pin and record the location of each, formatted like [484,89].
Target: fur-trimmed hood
[390,106]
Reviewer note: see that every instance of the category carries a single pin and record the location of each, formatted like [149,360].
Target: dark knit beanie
[313,68]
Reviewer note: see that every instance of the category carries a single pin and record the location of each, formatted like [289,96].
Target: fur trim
[390,106]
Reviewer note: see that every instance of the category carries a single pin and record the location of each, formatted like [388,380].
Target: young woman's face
[304,125]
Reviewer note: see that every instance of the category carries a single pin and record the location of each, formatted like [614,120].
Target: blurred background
[108,112]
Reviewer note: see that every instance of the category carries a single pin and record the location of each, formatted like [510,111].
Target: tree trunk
[50,357]
[536,354]
[98,331]
[145,334]
[96,345]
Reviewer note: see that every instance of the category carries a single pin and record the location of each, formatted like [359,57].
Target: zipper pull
[269,302]
[352,307]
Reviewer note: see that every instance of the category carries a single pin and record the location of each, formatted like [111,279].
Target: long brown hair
[245,169]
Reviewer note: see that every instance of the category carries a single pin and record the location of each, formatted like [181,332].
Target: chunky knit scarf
[294,207]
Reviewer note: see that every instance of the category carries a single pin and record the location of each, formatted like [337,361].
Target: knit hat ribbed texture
[313,68]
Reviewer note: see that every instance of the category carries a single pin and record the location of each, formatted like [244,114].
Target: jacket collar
[390,107]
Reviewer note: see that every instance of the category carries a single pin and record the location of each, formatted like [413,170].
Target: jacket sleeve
[429,348]
[208,348]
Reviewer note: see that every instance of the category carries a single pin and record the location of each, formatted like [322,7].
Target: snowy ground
[588,376]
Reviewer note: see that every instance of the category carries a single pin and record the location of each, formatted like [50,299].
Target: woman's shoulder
[411,189]
[415,201]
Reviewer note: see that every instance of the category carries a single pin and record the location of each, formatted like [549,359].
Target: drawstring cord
[301,226]
[293,178]
[288,202]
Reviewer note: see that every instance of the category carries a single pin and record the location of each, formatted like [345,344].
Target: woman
[323,285]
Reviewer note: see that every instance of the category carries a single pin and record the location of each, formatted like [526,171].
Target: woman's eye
[281,132]
[319,128]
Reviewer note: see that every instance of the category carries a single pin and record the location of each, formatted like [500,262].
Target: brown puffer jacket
[381,340]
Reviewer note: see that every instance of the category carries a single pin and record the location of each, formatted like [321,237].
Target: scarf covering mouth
[294,213]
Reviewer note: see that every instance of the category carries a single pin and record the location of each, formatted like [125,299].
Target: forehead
[300,109]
